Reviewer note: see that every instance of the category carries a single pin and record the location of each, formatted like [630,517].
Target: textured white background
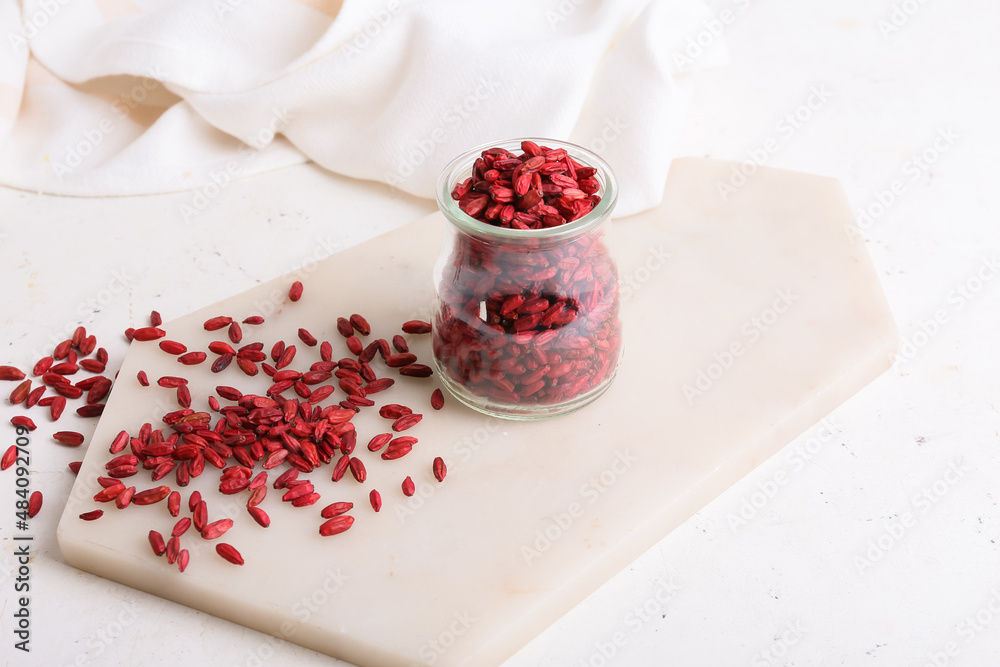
[788,586]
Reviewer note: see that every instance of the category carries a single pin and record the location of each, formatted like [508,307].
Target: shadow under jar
[527,320]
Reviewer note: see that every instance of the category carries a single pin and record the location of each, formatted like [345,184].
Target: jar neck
[483,233]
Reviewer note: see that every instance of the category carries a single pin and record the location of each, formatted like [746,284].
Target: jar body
[527,323]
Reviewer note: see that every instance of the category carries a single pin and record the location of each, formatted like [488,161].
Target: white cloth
[123,97]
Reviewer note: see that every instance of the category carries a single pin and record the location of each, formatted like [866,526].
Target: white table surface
[864,548]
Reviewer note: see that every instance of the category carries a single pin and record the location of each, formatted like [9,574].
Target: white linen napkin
[124,97]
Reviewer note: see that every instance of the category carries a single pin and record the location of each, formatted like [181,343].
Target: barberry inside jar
[528,319]
[539,188]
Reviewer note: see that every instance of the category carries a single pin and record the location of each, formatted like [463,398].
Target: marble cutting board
[747,321]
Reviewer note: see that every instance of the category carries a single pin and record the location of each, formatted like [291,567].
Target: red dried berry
[336,509]
[192,358]
[336,525]
[20,392]
[173,347]
[260,516]
[34,504]
[9,457]
[344,327]
[151,496]
[156,542]
[229,553]
[416,327]
[91,410]
[307,337]
[360,324]
[220,347]
[416,371]
[43,364]
[216,529]
[69,438]
[355,345]
[440,469]
[216,323]
[400,359]
[11,373]
[148,334]
[406,421]
[23,422]
[394,411]
[57,406]
[398,448]
[358,470]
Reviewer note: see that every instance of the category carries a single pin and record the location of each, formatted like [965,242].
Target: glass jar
[527,320]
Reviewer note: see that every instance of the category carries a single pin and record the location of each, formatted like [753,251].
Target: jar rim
[463,163]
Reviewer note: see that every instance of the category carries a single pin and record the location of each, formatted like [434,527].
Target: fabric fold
[146,96]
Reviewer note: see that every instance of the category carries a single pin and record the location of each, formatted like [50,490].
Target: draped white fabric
[122,97]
